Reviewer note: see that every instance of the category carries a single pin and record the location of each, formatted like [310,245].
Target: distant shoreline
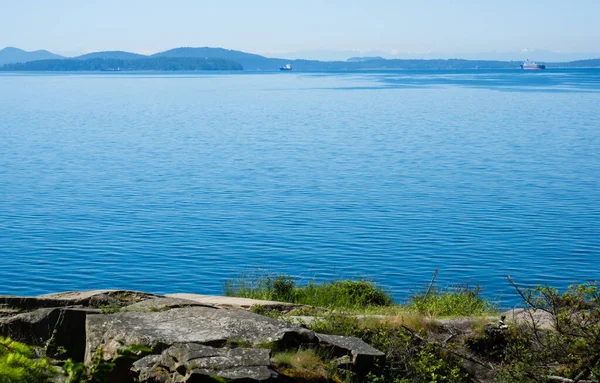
[216,59]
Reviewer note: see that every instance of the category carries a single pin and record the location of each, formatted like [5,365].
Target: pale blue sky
[274,26]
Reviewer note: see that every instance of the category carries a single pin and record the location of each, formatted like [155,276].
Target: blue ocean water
[169,182]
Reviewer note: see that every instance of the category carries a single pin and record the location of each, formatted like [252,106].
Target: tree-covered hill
[120,55]
[155,64]
[591,63]
[249,61]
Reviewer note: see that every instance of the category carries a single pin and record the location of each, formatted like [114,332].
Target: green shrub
[336,294]
[567,351]
[17,364]
[409,357]
[458,300]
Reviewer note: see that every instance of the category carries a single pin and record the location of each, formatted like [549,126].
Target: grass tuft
[302,359]
[336,294]
[458,300]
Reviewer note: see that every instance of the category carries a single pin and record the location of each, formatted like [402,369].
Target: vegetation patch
[17,364]
[454,301]
[237,343]
[101,370]
[568,351]
[335,294]
[303,365]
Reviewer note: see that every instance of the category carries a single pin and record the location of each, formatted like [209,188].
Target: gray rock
[161,304]
[60,330]
[94,298]
[541,319]
[237,375]
[198,363]
[234,302]
[365,358]
[148,369]
[159,330]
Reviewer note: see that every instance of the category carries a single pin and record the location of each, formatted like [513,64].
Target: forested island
[111,64]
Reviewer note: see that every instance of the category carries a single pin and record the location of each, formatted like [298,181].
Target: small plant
[262,310]
[76,372]
[237,343]
[100,369]
[17,364]
[338,324]
[303,365]
[109,308]
[302,359]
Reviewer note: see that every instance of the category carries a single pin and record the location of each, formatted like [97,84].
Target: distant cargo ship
[286,67]
[527,65]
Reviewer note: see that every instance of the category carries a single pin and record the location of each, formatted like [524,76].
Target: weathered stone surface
[364,357]
[234,302]
[202,325]
[95,298]
[161,304]
[197,363]
[541,319]
[234,375]
[60,330]
[148,369]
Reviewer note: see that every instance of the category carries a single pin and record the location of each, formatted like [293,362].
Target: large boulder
[202,325]
[161,304]
[225,302]
[94,298]
[61,331]
[56,322]
[364,358]
[194,362]
[529,317]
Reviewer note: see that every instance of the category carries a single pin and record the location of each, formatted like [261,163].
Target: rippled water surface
[176,182]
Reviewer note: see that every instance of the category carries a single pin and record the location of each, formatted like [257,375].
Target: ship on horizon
[286,67]
[528,65]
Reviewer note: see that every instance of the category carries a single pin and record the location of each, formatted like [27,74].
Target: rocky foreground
[180,337]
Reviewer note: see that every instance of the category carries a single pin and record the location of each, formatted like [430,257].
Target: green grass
[454,301]
[346,294]
[360,297]
[302,359]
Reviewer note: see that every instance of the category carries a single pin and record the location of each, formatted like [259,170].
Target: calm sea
[177,182]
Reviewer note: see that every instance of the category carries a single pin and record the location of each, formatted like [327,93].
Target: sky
[311,27]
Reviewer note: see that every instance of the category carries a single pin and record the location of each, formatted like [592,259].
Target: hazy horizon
[543,56]
[331,31]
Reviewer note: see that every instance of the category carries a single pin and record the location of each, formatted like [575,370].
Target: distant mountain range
[15,55]
[206,58]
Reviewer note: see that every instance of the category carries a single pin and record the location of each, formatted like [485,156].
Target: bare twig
[431,283]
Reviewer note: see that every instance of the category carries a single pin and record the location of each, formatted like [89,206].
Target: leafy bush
[17,364]
[567,349]
[410,358]
[336,294]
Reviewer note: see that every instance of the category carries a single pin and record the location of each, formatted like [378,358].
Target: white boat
[528,65]
[286,67]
